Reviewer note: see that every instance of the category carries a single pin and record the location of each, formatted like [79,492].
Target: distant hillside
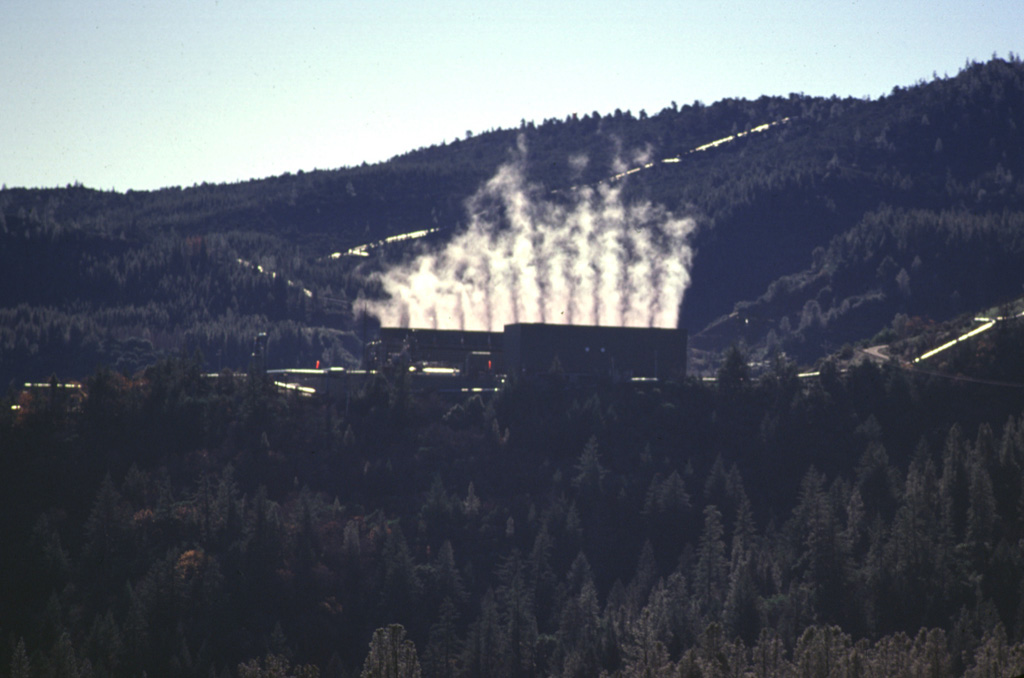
[811,234]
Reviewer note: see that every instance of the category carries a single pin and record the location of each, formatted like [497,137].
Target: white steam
[584,259]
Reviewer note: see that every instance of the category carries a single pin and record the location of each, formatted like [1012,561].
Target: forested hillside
[813,233]
[180,516]
[862,524]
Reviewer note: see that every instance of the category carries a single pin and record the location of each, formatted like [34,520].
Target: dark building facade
[582,351]
[466,350]
[618,353]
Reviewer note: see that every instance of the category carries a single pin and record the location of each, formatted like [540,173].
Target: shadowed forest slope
[813,233]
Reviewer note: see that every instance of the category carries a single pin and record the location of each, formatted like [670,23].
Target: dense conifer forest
[866,523]
[180,516]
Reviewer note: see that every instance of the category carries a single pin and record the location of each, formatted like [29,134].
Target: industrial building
[459,361]
[583,351]
[471,353]
[580,352]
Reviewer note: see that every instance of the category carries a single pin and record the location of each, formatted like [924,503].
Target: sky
[126,94]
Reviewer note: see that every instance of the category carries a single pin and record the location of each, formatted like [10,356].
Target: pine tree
[915,541]
[954,486]
[106,529]
[717,657]
[892,655]
[135,631]
[446,576]
[62,661]
[105,643]
[821,651]
[711,572]
[391,655]
[471,505]
[1007,473]
[276,666]
[21,667]
[482,656]
[578,635]
[228,519]
[643,580]
[515,603]
[768,657]
[590,473]
[877,481]
[644,656]
[931,654]
[401,586]
[822,564]
[445,648]
[742,615]
[673,614]
[542,576]
[734,373]
[981,515]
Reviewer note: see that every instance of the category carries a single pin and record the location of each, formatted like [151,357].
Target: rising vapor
[584,259]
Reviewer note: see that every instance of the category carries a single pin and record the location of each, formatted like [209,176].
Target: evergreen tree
[106,530]
[644,656]
[446,579]
[21,666]
[482,655]
[916,541]
[276,666]
[742,614]
[579,634]
[931,654]
[445,648]
[711,572]
[768,657]
[674,615]
[981,514]
[63,662]
[590,473]
[401,586]
[542,576]
[391,655]
[515,604]
[996,657]
[823,565]
[823,651]
[716,657]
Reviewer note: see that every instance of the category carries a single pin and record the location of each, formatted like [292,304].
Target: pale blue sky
[144,94]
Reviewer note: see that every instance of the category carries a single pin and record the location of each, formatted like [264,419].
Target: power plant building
[525,349]
[466,350]
[619,353]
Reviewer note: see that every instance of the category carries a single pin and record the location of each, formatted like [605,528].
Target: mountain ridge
[815,211]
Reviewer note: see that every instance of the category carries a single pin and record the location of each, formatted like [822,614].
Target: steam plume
[524,257]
